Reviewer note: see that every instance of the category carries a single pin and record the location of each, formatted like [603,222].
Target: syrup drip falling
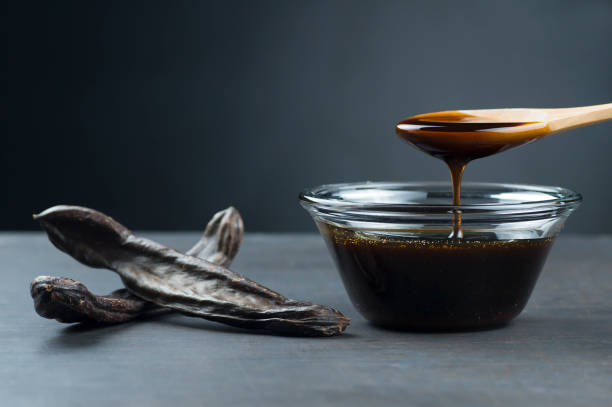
[458,138]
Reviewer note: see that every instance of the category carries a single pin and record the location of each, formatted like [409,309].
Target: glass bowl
[392,245]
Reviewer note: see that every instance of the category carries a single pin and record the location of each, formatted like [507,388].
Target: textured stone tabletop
[558,352]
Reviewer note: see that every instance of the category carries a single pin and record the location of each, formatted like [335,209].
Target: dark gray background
[160,113]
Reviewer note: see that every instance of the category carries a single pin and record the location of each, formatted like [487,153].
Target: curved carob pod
[187,284]
[69,301]
[221,239]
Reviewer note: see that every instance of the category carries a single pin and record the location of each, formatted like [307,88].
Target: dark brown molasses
[427,284]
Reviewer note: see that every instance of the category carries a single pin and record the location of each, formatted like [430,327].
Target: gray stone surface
[557,353]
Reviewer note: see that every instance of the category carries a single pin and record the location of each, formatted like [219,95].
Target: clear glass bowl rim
[561,198]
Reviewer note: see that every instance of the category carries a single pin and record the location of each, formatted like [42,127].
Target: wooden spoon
[557,120]
[464,135]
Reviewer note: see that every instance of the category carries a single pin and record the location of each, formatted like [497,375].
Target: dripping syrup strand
[456,168]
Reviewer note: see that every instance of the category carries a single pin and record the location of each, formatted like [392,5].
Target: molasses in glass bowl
[403,265]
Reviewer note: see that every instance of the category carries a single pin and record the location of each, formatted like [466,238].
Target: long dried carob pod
[69,301]
[187,284]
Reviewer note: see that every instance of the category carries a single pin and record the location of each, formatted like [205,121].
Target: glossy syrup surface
[458,136]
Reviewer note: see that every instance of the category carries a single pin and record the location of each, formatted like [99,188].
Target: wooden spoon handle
[573,117]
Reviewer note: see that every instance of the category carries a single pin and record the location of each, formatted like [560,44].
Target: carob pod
[185,283]
[69,301]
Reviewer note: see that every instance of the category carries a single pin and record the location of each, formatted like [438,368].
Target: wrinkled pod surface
[188,284]
[69,301]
